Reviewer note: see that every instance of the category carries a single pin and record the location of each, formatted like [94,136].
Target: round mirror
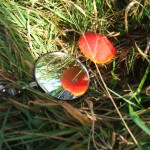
[61,75]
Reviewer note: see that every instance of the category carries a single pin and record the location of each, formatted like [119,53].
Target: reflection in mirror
[61,75]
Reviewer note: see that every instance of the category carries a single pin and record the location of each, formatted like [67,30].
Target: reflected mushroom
[96,47]
[75,81]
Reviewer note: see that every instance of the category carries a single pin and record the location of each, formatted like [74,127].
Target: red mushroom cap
[96,47]
[75,81]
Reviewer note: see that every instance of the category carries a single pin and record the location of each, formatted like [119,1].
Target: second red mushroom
[96,47]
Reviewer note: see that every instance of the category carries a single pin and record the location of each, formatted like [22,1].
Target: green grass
[34,120]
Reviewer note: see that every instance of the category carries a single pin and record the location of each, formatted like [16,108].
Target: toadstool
[75,81]
[96,47]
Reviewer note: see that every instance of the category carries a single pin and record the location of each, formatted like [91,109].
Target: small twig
[93,122]
[126,15]
[147,91]
[148,46]
[121,117]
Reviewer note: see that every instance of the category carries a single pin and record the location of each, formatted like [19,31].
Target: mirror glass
[61,75]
